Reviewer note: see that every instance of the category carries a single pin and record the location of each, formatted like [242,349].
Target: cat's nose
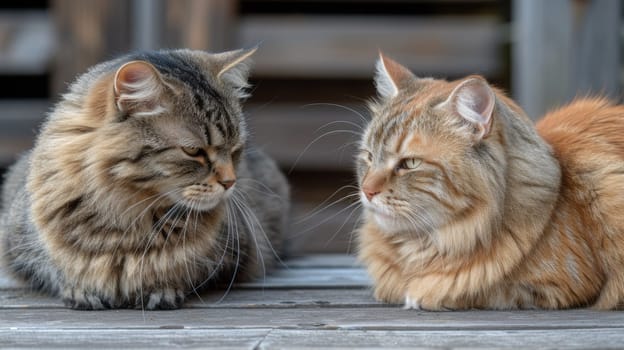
[227,183]
[370,194]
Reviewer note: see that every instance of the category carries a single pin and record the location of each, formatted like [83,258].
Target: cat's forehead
[409,122]
[223,134]
[192,128]
[393,127]
[397,139]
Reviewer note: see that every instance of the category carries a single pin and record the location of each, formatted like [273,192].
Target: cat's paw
[86,301]
[161,299]
[411,304]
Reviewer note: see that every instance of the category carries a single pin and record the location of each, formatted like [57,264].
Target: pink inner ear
[131,74]
[138,88]
[481,100]
[474,101]
[134,75]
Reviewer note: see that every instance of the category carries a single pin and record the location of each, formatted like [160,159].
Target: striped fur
[515,217]
[128,199]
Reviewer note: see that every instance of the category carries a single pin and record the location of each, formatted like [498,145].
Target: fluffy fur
[468,205]
[141,187]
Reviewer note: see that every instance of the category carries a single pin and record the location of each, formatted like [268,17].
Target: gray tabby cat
[142,188]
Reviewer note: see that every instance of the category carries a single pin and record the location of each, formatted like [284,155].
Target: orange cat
[467,205]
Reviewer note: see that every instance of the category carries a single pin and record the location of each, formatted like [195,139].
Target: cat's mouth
[378,209]
[387,218]
[204,204]
[200,200]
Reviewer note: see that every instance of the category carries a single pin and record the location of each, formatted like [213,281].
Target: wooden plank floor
[319,301]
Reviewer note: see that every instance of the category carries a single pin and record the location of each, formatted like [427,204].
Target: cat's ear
[473,100]
[233,69]
[138,89]
[390,77]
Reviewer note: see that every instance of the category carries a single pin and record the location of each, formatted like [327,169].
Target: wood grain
[347,46]
[345,318]
[289,315]
[163,338]
[89,32]
[236,298]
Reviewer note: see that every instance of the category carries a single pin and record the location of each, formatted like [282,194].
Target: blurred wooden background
[314,68]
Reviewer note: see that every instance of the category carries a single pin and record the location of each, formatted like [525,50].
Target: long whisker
[236,265]
[325,220]
[352,233]
[153,234]
[251,231]
[360,127]
[194,210]
[315,141]
[269,192]
[253,216]
[321,207]
[355,209]
[140,216]
[364,119]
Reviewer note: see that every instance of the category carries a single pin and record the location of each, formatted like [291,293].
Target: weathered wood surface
[347,46]
[298,312]
[27,42]
[564,49]
[88,32]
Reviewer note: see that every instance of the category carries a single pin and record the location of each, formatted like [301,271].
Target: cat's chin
[390,223]
[205,205]
[386,221]
[201,205]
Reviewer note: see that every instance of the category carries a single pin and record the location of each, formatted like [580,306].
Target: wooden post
[199,24]
[563,49]
[89,31]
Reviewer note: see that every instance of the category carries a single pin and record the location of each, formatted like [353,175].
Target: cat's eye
[192,151]
[410,163]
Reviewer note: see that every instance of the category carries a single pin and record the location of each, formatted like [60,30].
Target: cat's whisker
[250,214]
[246,218]
[315,141]
[333,236]
[268,241]
[230,220]
[325,220]
[269,192]
[195,210]
[155,226]
[152,237]
[344,147]
[352,232]
[235,237]
[322,207]
[364,119]
[140,216]
[360,127]
[418,221]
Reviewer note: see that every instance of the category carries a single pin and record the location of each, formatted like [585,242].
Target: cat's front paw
[411,304]
[82,300]
[414,303]
[161,299]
